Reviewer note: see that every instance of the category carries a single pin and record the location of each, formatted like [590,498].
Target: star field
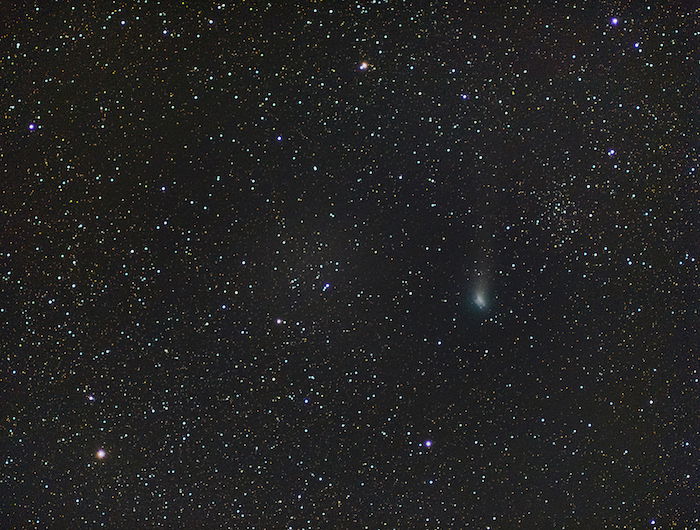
[349,265]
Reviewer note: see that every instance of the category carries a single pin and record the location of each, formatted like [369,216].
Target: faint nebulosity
[371,264]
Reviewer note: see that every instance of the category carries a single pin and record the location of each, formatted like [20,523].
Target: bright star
[614,21]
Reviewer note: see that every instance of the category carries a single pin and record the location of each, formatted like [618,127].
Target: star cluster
[349,265]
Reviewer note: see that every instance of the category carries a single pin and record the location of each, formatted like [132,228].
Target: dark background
[247,267]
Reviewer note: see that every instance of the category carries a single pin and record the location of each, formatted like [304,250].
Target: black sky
[349,265]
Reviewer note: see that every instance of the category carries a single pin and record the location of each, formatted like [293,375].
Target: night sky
[349,264]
